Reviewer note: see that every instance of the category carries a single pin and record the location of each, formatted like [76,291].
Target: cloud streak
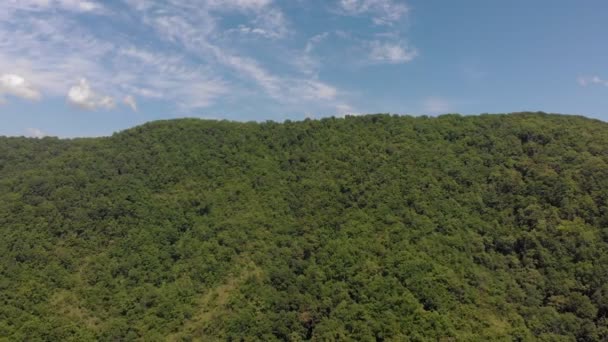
[585,81]
[81,6]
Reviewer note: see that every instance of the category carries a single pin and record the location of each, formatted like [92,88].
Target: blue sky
[91,67]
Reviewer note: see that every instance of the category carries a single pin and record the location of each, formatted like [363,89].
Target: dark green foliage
[370,228]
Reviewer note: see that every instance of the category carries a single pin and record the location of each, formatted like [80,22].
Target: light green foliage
[366,228]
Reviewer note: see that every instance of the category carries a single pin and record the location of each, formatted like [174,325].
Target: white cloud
[265,33]
[382,12]
[269,21]
[243,29]
[314,41]
[283,89]
[68,5]
[317,90]
[188,31]
[239,4]
[386,46]
[34,133]
[249,67]
[394,53]
[16,85]
[272,23]
[185,57]
[436,105]
[79,5]
[82,96]
[591,80]
[306,61]
[344,109]
[201,94]
[48,52]
[162,76]
[130,102]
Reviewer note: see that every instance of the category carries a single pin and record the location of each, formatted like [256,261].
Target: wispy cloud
[187,56]
[202,43]
[271,23]
[391,52]
[240,4]
[344,109]
[51,52]
[591,80]
[155,75]
[389,44]
[55,52]
[317,91]
[315,40]
[436,105]
[130,101]
[306,61]
[383,12]
[41,5]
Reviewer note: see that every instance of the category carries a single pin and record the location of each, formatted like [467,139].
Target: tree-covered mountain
[370,228]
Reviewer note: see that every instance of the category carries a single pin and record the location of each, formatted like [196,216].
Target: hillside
[371,228]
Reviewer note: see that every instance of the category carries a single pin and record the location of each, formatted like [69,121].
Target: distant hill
[370,228]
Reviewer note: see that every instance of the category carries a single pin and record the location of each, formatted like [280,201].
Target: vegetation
[369,228]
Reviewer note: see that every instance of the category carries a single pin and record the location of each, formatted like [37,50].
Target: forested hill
[370,228]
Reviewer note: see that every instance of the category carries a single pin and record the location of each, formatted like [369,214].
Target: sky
[79,68]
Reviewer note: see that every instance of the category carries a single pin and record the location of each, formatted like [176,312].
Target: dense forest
[370,228]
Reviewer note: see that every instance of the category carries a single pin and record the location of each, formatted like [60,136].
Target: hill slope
[370,228]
